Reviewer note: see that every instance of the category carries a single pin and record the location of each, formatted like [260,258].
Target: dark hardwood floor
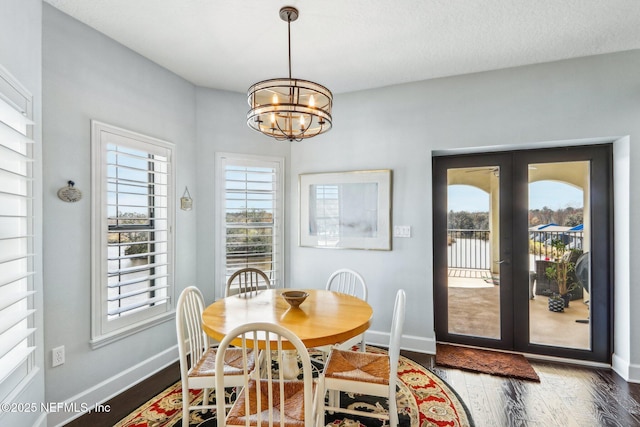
[125,403]
[566,396]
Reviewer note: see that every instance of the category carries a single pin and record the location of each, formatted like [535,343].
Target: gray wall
[89,76]
[21,55]
[400,127]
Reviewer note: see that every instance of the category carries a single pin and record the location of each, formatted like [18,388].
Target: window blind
[252,234]
[16,233]
[132,202]
[138,228]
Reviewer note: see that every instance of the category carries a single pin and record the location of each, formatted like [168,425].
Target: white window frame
[17,238]
[247,160]
[104,330]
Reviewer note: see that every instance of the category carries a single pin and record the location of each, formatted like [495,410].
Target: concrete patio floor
[473,310]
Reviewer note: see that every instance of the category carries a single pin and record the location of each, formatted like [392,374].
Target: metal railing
[541,242]
[469,249]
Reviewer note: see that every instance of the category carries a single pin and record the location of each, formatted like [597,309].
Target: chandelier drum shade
[287,108]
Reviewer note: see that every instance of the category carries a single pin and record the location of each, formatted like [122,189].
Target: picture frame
[346,210]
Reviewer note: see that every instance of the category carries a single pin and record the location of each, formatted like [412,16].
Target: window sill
[112,337]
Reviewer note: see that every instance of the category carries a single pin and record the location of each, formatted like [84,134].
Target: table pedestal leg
[290,369]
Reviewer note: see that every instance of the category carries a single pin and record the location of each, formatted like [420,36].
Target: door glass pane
[559,242]
[472,244]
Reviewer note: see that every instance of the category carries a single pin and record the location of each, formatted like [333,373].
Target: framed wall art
[346,210]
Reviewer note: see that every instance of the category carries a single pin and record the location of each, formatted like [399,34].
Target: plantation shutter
[133,216]
[252,207]
[16,234]
[138,230]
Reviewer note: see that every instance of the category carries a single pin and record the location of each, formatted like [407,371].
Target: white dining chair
[246,282]
[267,398]
[352,283]
[364,373]
[197,356]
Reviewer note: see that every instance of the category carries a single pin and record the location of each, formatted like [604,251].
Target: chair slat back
[348,282]
[264,395]
[189,326]
[247,282]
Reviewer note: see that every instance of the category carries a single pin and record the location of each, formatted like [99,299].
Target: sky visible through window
[554,195]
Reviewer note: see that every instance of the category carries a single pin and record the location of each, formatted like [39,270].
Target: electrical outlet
[57,356]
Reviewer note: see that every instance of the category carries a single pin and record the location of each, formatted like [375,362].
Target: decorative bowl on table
[294,298]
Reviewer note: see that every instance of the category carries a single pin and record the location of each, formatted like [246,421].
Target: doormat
[485,361]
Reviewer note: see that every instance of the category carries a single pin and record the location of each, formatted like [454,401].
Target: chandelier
[287,108]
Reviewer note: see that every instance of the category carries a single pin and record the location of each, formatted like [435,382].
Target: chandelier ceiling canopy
[287,108]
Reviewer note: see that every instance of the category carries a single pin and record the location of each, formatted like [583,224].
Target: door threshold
[587,363]
[538,357]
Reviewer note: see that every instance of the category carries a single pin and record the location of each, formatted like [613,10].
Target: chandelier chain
[289,35]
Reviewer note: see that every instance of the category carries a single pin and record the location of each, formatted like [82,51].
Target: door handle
[502,261]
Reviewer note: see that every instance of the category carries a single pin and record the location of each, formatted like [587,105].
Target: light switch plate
[401,231]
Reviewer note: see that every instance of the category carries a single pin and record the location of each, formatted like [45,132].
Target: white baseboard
[408,342]
[107,389]
[41,421]
[634,374]
[629,372]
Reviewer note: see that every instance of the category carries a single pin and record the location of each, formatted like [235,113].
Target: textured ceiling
[349,45]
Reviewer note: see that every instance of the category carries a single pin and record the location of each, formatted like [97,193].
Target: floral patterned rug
[423,400]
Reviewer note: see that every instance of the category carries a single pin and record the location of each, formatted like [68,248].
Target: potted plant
[559,270]
[556,303]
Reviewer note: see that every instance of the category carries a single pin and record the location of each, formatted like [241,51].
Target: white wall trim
[628,371]
[408,342]
[526,146]
[622,311]
[633,374]
[41,421]
[107,389]
[278,162]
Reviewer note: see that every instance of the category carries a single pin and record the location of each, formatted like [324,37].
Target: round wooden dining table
[324,318]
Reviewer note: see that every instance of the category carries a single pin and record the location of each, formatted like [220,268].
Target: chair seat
[364,373]
[293,410]
[357,366]
[233,364]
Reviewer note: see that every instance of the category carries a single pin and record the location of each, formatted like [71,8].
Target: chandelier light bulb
[273,122]
[312,102]
[274,100]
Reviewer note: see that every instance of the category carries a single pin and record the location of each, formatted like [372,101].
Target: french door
[522,251]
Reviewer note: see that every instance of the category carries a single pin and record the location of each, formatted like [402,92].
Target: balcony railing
[540,242]
[469,249]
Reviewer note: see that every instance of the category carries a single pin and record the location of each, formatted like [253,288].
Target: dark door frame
[514,233]
[440,166]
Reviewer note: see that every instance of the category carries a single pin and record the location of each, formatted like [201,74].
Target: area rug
[423,399]
[485,361]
